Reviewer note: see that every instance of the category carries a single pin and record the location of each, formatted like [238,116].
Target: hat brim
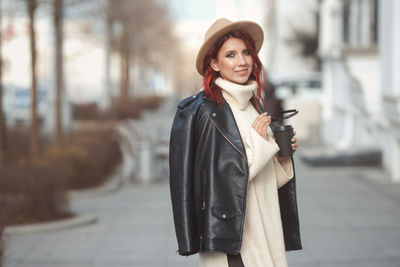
[252,28]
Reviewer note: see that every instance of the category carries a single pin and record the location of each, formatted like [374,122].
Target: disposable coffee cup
[283,137]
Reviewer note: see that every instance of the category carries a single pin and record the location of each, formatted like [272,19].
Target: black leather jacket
[209,177]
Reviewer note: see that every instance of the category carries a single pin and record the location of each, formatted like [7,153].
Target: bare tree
[34,136]
[271,27]
[145,35]
[124,53]
[109,33]
[58,32]
[58,19]
[2,117]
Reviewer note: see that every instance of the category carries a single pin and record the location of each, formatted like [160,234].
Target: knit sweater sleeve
[259,151]
[284,171]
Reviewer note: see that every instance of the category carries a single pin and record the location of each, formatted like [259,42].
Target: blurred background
[88,91]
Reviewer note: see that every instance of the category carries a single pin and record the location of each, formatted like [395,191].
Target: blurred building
[360,51]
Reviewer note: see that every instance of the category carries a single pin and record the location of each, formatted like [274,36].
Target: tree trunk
[318,64]
[109,33]
[58,28]
[2,121]
[272,34]
[124,77]
[34,138]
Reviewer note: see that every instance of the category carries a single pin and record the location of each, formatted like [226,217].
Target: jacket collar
[253,101]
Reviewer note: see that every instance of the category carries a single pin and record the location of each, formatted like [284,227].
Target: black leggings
[235,261]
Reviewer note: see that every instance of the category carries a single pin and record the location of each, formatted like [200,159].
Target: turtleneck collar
[237,94]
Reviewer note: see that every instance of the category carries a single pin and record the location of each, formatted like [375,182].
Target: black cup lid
[282,127]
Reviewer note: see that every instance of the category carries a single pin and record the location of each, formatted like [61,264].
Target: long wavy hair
[212,90]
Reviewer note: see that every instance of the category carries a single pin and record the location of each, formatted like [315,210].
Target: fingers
[294,144]
[263,118]
[261,121]
[261,124]
[294,147]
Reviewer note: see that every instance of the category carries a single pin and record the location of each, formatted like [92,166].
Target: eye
[246,52]
[229,55]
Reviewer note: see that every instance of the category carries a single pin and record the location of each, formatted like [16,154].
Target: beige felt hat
[223,26]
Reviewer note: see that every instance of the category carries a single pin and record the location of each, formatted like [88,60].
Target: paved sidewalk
[134,228]
[347,219]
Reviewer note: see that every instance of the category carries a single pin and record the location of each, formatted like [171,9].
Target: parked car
[18,105]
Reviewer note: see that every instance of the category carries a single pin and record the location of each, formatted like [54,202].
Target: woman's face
[233,62]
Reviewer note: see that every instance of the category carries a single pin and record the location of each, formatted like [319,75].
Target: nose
[242,60]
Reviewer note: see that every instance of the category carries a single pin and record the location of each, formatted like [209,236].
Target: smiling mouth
[242,71]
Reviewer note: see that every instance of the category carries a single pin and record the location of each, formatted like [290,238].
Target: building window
[360,23]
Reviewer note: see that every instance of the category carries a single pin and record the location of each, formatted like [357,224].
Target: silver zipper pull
[204,205]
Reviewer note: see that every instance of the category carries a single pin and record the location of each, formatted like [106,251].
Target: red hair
[210,75]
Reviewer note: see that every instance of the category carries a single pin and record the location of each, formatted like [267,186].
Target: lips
[242,72]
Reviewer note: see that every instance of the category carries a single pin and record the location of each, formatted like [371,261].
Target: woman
[224,170]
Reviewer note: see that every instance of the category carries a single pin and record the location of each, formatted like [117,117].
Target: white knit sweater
[263,244]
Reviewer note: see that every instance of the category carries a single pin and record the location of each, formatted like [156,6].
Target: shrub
[33,189]
[30,192]
[87,158]
[130,108]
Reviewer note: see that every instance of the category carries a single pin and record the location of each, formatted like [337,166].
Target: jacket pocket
[223,213]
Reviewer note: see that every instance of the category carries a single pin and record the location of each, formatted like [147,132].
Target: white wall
[389,48]
[362,104]
[290,15]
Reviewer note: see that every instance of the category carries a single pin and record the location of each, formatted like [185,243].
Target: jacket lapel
[224,119]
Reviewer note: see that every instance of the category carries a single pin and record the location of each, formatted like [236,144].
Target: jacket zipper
[204,187]
[248,181]
[203,207]
[227,139]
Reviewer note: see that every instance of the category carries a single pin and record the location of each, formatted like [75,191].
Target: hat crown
[217,25]
[223,26]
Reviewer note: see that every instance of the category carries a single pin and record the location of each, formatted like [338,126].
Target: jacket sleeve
[181,159]
[289,213]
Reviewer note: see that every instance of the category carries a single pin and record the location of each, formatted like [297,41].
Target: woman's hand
[294,144]
[294,147]
[261,124]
